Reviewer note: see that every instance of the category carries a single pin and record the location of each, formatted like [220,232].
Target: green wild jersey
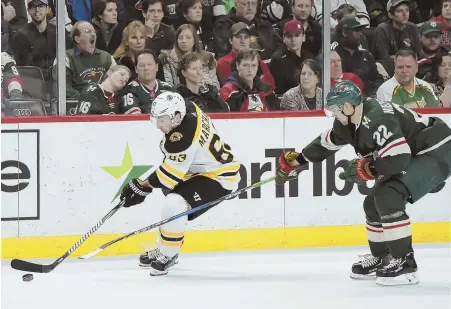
[95,101]
[423,96]
[140,98]
[389,133]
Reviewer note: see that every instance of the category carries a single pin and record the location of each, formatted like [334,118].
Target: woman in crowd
[108,30]
[197,87]
[308,95]
[187,42]
[440,77]
[191,13]
[243,90]
[133,41]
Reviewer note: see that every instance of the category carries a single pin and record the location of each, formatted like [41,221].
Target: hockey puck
[27,277]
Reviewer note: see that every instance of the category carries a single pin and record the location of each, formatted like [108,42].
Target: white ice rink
[307,279]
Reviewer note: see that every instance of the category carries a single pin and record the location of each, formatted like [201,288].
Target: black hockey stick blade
[30,267]
[39,268]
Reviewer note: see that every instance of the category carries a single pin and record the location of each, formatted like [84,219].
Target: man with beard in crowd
[431,45]
[356,60]
[35,43]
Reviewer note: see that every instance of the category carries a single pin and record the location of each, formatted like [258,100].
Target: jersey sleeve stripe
[133,110]
[444,141]
[165,180]
[396,147]
[173,171]
[327,143]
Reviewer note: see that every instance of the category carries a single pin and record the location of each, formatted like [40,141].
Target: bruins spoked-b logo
[175,137]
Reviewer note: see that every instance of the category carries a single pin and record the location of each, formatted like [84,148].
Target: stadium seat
[33,82]
[25,107]
[71,105]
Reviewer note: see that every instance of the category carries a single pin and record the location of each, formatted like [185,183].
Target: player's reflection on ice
[309,278]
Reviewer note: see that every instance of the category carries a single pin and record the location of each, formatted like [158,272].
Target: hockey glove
[134,193]
[358,171]
[285,169]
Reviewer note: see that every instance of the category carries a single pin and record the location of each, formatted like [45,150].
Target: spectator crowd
[224,55]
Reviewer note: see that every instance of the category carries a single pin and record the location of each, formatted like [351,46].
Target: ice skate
[401,271]
[366,268]
[148,257]
[161,265]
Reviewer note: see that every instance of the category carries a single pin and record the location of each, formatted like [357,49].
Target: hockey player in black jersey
[105,98]
[408,155]
[198,168]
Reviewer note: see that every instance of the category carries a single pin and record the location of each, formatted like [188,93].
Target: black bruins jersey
[389,133]
[96,101]
[195,148]
[139,98]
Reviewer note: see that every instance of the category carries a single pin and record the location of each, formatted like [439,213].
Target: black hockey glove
[358,171]
[134,193]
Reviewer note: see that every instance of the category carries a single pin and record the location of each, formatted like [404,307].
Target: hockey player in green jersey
[105,98]
[408,155]
[140,93]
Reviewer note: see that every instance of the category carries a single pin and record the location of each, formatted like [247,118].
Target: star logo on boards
[134,171]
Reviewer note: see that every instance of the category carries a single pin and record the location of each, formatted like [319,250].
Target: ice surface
[310,279]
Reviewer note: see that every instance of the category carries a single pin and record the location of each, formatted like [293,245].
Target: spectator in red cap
[302,11]
[285,63]
[240,38]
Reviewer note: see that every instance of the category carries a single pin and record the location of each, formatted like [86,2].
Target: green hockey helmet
[342,92]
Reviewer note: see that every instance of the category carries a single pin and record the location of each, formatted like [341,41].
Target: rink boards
[60,176]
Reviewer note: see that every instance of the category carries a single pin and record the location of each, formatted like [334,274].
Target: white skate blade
[155,273]
[148,265]
[371,276]
[406,279]
[144,265]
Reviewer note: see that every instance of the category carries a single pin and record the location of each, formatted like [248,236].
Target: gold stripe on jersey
[224,173]
[199,123]
[202,133]
[179,175]
[165,180]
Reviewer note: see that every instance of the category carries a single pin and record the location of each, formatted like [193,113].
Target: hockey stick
[39,268]
[193,210]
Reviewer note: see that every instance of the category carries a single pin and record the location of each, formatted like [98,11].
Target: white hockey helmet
[168,104]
